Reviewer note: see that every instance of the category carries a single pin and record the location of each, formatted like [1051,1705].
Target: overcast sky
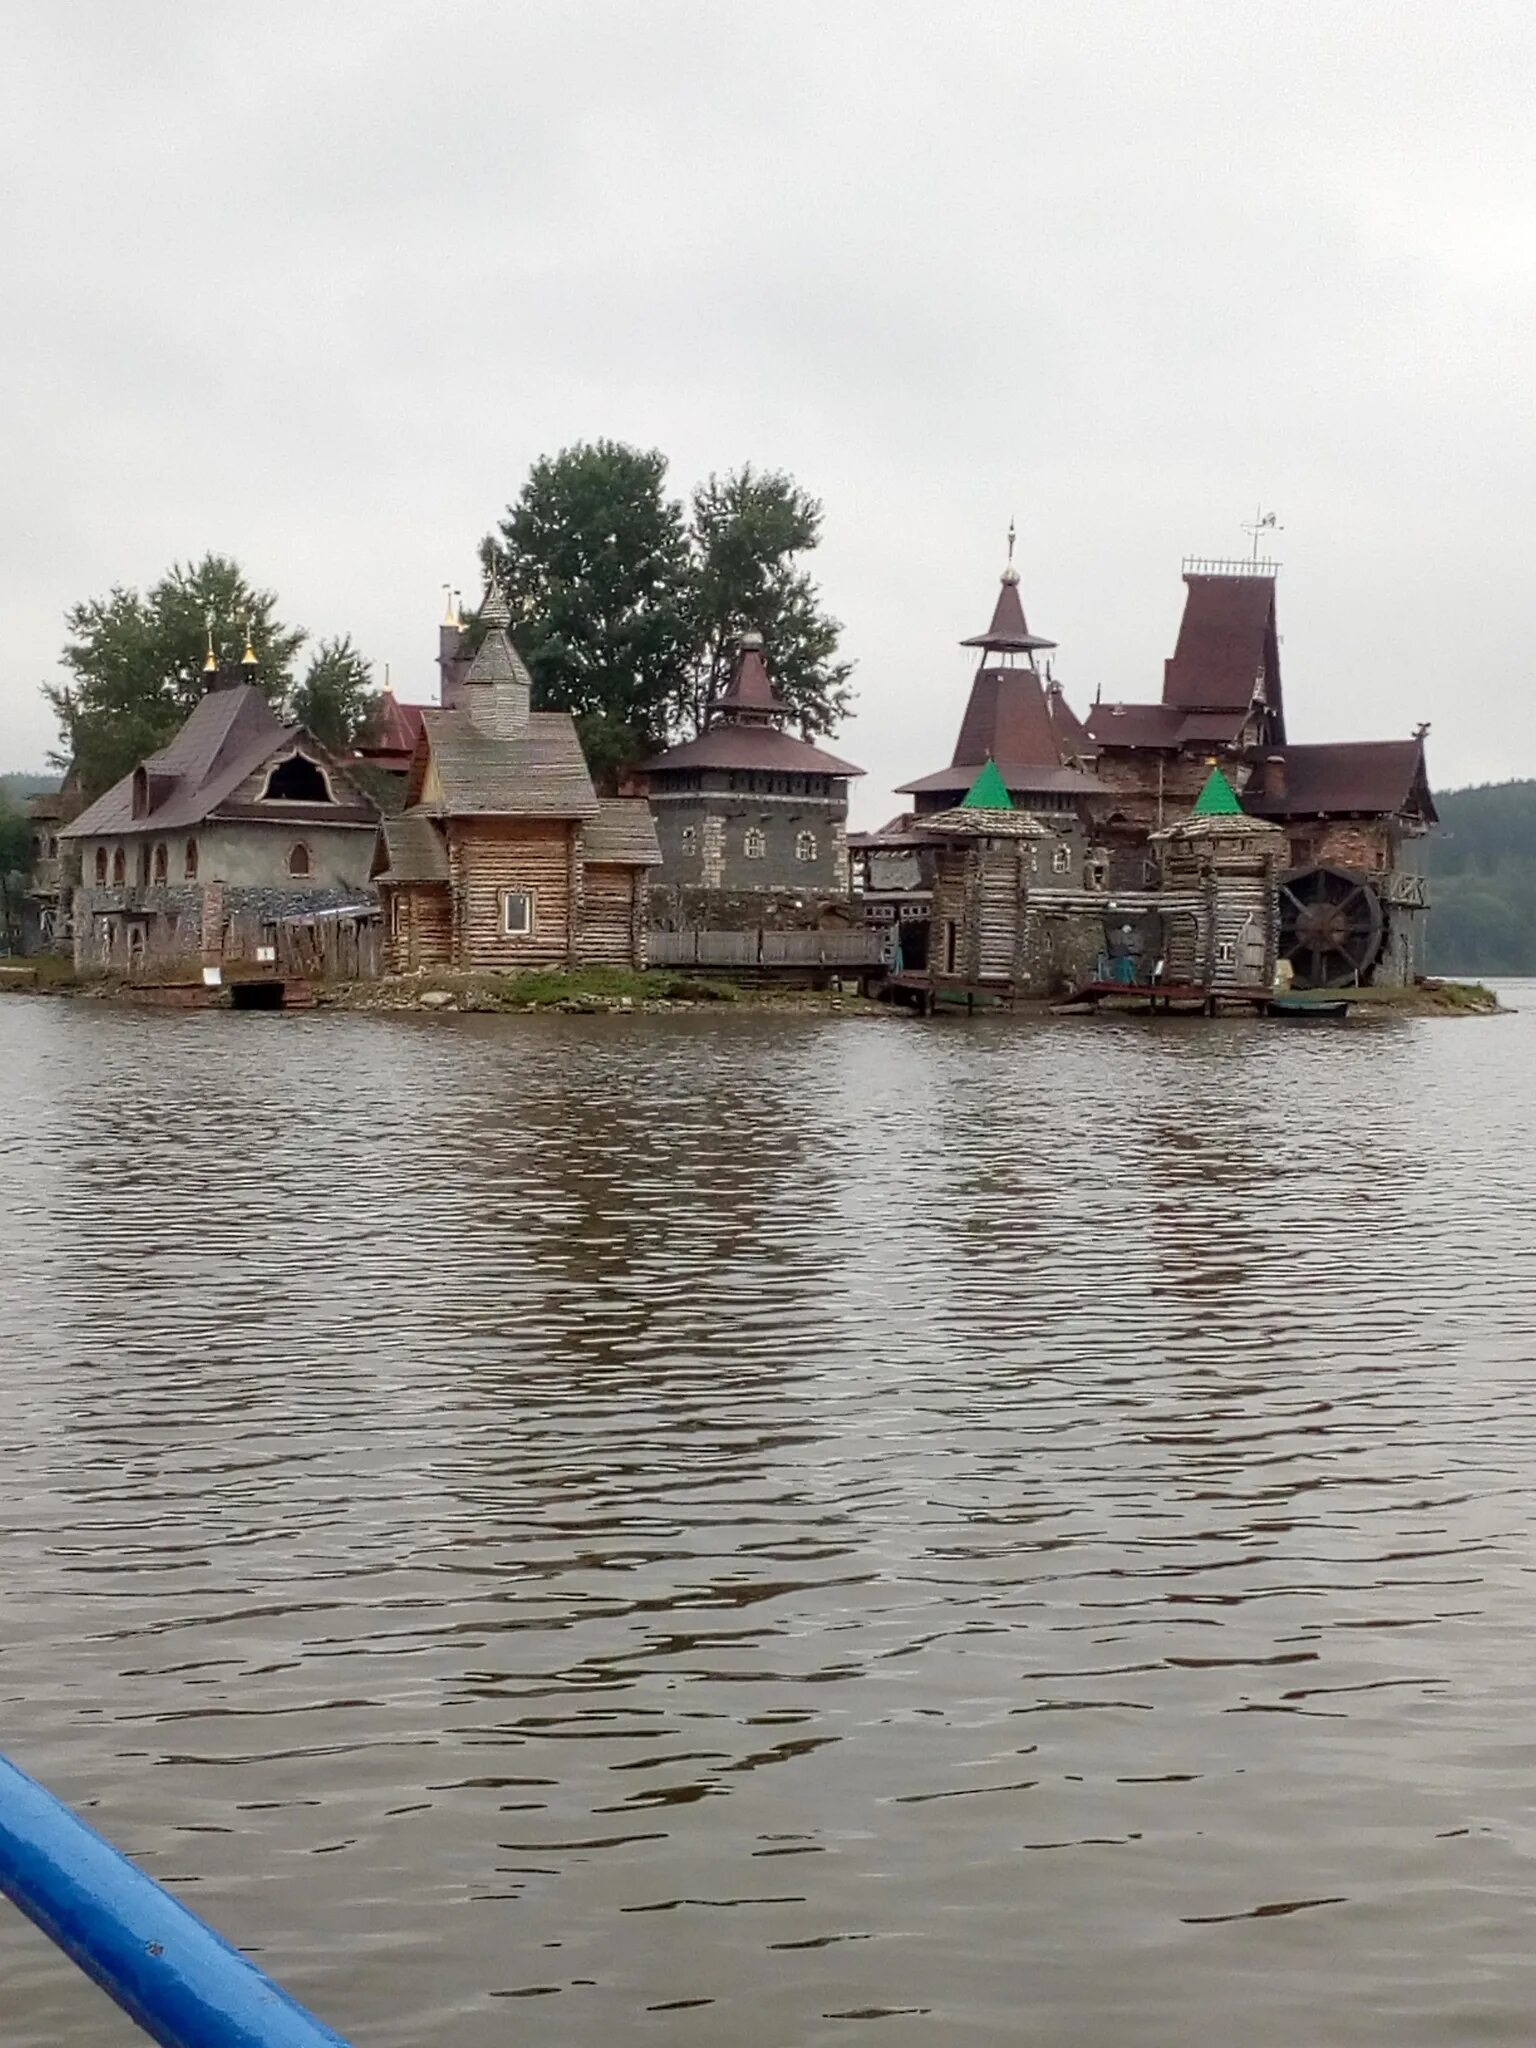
[312,284]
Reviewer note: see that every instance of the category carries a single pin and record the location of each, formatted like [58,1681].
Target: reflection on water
[742,1530]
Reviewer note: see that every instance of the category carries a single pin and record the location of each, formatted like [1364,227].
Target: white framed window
[805,846]
[516,913]
[1226,953]
[1061,859]
[755,845]
[688,841]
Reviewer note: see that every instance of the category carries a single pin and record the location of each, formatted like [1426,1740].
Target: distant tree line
[626,604]
[1482,870]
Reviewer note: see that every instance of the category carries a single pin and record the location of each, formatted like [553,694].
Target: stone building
[504,856]
[239,823]
[752,822]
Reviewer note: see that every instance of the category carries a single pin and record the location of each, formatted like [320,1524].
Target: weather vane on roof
[1261,523]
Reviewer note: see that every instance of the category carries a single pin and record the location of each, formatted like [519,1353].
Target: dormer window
[298,781]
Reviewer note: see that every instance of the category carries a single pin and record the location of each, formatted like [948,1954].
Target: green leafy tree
[15,858]
[749,529]
[336,700]
[593,560]
[136,662]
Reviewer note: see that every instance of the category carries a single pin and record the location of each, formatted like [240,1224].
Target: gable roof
[229,735]
[542,773]
[1374,777]
[1227,641]
[394,727]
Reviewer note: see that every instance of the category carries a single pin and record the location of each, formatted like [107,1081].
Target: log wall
[488,855]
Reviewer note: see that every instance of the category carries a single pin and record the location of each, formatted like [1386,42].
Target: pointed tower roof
[498,661]
[988,792]
[750,693]
[494,609]
[1009,632]
[1217,799]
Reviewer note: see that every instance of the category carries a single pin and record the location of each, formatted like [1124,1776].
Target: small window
[298,859]
[755,845]
[1061,859]
[516,913]
[805,846]
[190,861]
[688,840]
[1226,953]
[119,868]
[162,869]
[101,867]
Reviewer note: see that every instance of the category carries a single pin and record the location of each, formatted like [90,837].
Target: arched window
[297,781]
[101,867]
[754,846]
[119,868]
[190,860]
[805,846]
[298,858]
[688,840]
[162,870]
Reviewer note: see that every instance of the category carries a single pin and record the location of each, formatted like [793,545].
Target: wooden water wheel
[1331,926]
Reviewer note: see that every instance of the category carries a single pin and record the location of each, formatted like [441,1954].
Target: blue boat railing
[182,1983]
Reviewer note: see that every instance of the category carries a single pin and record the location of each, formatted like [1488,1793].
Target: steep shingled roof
[229,735]
[1227,640]
[416,850]
[542,773]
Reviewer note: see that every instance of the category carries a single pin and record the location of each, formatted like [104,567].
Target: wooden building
[1219,895]
[984,858]
[504,857]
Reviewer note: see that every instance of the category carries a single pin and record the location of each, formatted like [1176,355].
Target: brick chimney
[1274,783]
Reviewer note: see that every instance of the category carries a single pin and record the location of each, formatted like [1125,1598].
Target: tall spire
[210,659]
[1008,633]
[248,659]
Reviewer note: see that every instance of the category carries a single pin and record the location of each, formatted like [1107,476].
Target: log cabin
[504,857]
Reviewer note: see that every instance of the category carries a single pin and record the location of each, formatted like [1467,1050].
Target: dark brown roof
[230,734]
[415,850]
[1008,632]
[750,688]
[1162,725]
[1226,641]
[1011,716]
[1022,778]
[749,746]
[1371,777]
[542,773]
[394,727]
[623,834]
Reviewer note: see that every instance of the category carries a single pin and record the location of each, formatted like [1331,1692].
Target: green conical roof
[989,792]
[1216,800]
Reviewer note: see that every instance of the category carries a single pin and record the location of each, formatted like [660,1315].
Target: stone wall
[705,835]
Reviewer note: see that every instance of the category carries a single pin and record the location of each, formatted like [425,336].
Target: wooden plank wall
[419,924]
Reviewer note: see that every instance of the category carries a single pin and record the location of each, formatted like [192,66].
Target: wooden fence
[856,946]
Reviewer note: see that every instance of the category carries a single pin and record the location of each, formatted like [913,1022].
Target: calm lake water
[728,1530]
